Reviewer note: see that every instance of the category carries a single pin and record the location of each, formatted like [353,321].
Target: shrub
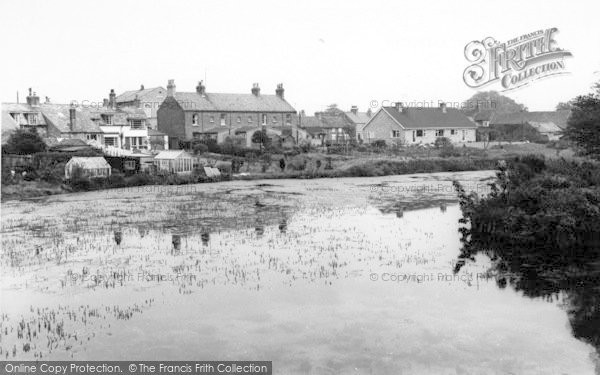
[298,163]
[442,142]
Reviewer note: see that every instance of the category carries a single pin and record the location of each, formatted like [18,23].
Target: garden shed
[174,161]
[89,166]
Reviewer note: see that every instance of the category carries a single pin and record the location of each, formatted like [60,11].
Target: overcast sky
[346,52]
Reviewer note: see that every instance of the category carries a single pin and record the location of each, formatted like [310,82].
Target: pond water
[325,276]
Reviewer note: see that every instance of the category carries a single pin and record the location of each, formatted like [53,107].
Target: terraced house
[404,126]
[184,116]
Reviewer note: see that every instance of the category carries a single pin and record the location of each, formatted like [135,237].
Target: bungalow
[92,167]
[550,124]
[174,161]
[404,126]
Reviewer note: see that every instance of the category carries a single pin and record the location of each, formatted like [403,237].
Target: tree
[583,127]
[564,106]
[491,100]
[25,142]
[260,137]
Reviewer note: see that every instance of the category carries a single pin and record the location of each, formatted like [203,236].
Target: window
[223,119]
[31,118]
[195,119]
[249,119]
[109,141]
[15,116]
[288,119]
[239,119]
[129,165]
[395,133]
[420,133]
[452,132]
[90,137]
[439,133]
[264,119]
[136,124]
[212,119]
[107,119]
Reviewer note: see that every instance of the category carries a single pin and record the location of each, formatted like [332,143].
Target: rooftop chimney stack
[201,89]
[72,117]
[105,102]
[354,109]
[443,107]
[112,99]
[280,91]
[141,87]
[47,100]
[171,88]
[399,107]
[33,99]
[255,89]
[136,102]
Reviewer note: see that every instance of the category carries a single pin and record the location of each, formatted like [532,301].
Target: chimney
[171,88]
[72,117]
[399,107]
[255,89]
[136,102]
[141,87]
[33,99]
[47,100]
[201,89]
[105,102]
[443,107]
[369,112]
[354,109]
[112,98]
[279,91]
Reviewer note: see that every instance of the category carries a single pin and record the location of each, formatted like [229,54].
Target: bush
[380,143]
[298,163]
[442,142]
[24,142]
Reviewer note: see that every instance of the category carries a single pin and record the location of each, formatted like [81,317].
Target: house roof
[192,101]
[9,125]
[59,116]
[425,118]
[484,115]
[358,117]
[316,130]
[557,118]
[23,108]
[324,120]
[96,162]
[145,95]
[172,154]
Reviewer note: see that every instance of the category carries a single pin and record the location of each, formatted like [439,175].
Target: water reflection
[205,237]
[118,235]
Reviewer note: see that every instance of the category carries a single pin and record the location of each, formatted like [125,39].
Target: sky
[360,53]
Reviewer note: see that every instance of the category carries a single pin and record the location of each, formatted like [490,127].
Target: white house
[405,126]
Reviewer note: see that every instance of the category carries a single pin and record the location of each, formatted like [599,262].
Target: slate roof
[426,118]
[8,126]
[146,95]
[192,101]
[484,115]
[558,118]
[58,115]
[23,108]
[325,120]
[358,117]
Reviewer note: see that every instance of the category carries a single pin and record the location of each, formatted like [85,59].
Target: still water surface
[319,276]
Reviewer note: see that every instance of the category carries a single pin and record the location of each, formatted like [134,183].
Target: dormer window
[107,119]
[31,118]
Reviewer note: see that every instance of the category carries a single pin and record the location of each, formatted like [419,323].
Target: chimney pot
[171,88]
[399,106]
[112,98]
[280,90]
[255,89]
[443,107]
[201,89]
[141,87]
[354,109]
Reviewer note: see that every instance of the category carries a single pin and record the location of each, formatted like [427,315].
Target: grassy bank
[305,169]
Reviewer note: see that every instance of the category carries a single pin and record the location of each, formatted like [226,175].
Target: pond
[320,276]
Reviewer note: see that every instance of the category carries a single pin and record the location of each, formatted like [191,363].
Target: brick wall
[171,121]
